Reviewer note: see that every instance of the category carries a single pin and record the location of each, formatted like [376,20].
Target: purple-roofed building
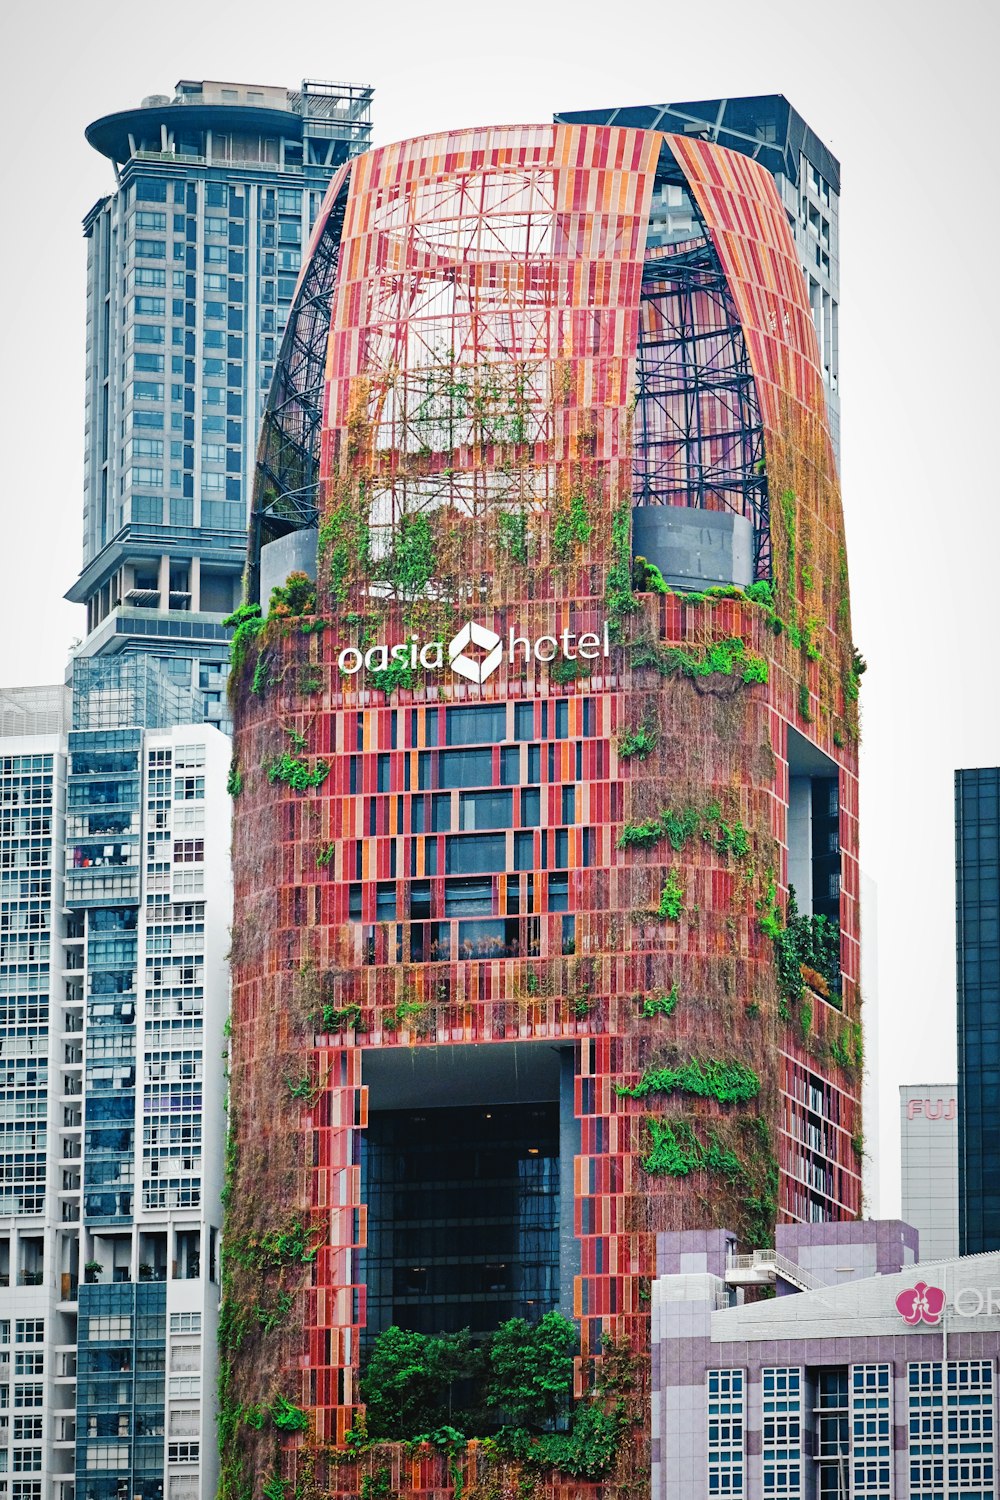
[864,1374]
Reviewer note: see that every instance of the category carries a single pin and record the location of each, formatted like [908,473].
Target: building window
[725,1432]
[950,1429]
[782,1432]
[871,1429]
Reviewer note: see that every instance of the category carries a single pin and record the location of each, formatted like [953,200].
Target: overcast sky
[903,93]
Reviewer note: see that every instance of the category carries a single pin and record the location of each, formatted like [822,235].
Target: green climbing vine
[677,1149]
[726,1082]
[679,827]
[412,562]
[660,1005]
[671,905]
[346,1018]
[638,743]
[727,658]
[345,544]
[618,596]
[246,624]
[512,533]
[573,527]
[296,773]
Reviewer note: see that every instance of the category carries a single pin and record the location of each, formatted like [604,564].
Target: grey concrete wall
[694,548]
[294,553]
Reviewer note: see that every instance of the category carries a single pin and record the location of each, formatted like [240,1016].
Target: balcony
[764,1267]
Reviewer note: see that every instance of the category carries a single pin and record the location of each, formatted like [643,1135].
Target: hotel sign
[476,652]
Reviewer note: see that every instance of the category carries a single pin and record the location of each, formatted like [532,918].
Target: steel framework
[699,439]
[285,494]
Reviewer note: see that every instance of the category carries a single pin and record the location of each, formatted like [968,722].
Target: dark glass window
[466,768]
[463,1213]
[524,851]
[466,898]
[471,855]
[524,721]
[510,765]
[441,814]
[482,725]
[420,900]
[485,810]
[513,894]
[562,718]
[531,807]
[534,763]
[569,804]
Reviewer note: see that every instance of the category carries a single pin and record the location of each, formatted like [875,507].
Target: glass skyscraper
[192,263]
[977,870]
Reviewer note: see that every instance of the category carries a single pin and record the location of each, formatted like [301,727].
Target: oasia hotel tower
[545,808]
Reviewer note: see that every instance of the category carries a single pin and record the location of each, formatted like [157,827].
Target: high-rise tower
[115,891]
[192,263]
[524,781]
[977,870]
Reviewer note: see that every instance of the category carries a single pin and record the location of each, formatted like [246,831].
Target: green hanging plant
[671,905]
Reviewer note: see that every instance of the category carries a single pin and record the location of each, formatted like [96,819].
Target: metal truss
[699,439]
[286,483]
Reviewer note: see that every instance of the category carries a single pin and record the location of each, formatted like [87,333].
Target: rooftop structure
[768,129]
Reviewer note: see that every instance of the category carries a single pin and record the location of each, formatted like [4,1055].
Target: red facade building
[524,778]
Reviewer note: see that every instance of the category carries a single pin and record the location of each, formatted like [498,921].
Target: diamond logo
[467,666]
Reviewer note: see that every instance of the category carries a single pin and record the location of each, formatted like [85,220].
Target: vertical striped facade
[465,860]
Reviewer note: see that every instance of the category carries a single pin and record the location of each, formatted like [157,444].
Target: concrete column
[569,1147]
[800,841]
[163,581]
[194,583]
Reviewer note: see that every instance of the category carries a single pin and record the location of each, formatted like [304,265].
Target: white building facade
[114,1102]
[928,1132]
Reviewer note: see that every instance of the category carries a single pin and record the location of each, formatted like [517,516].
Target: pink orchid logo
[921,1303]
